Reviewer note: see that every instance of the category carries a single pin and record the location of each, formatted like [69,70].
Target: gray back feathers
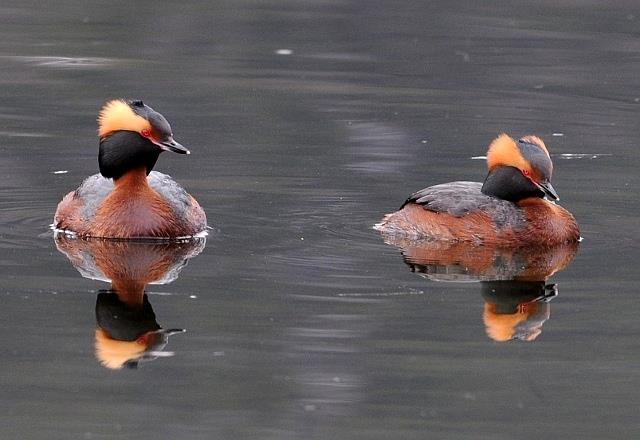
[460,198]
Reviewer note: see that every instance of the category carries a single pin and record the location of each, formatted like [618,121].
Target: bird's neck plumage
[123,151]
[133,180]
[508,183]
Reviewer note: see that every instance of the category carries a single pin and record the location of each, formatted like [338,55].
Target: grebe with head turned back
[127,199]
[508,209]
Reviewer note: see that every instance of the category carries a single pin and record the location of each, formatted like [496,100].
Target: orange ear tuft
[117,115]
[503,151]
[500,327]
[112,353]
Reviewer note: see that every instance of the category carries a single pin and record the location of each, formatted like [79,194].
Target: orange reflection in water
[127,331]
[513,281]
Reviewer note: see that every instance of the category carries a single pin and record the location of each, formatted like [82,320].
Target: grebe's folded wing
[454,198]
[92,192]
[168,188]
[460,198]
[178,198]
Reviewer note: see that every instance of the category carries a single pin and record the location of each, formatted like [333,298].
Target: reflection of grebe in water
[513,281]
[128,334]
[127,331]
[516,309]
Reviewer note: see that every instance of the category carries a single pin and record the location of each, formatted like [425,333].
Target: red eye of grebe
[146,132]
[527,173]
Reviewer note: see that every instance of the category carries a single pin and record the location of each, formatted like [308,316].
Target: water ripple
[66,62]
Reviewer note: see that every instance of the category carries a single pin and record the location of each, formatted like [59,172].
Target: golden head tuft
[117,115]
[503,151]
[113,354]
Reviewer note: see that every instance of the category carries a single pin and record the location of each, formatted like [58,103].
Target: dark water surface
[307,121]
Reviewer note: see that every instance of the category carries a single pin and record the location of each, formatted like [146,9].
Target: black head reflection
[513,282]
[128,334]
[127,331]
[516,309]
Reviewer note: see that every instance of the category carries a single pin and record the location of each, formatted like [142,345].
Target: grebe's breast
[95,189]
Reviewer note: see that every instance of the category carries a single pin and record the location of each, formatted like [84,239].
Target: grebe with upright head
[127,199]
[508,209]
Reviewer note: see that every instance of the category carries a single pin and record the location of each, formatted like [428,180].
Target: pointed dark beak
[548,190]
[171,145]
